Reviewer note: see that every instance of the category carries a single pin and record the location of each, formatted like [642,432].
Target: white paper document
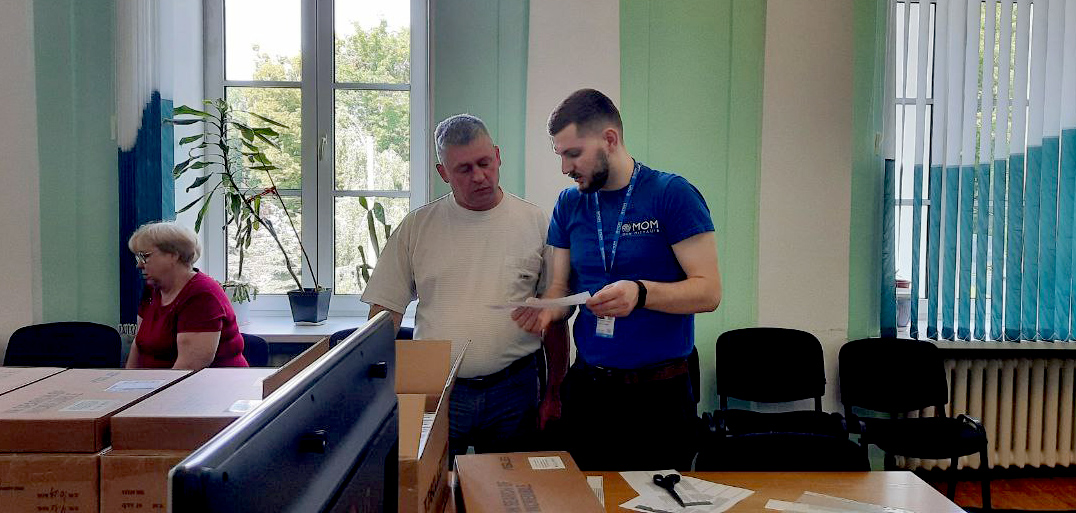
[811,502]
[598,487]
[699,496]
[533,302]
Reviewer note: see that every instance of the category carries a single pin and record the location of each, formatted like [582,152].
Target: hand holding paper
[535,315]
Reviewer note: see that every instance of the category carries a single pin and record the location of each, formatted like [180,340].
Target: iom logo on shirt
[646,227]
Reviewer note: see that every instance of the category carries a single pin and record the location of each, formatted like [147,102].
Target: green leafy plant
[240,291]
[231,148]
[375,214]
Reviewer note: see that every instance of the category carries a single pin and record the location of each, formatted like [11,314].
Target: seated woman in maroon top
[185,320]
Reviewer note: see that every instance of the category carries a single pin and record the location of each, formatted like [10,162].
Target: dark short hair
[589,109]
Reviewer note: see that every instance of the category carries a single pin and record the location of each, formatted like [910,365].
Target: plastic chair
[79,345]
[255,350]
[897,376]
[772,365]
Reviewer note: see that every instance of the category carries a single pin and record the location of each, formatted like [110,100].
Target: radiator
[1025,404]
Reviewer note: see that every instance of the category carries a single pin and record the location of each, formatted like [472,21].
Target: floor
[1045,492]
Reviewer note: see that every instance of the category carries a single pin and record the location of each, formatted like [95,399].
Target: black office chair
[255,350]
[79,345]
[772,365]
[783,452]
[897,376]
[405,333]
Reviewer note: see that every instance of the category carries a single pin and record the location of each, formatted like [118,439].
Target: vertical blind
[980,168]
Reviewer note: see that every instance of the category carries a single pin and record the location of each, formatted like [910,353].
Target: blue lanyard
[608,265]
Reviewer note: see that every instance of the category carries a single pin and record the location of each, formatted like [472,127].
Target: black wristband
[641,302]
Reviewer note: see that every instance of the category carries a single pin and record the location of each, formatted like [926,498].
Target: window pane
[353,232]
[261,40]
[373,148]
[373,41]
[282,105]
[263,263]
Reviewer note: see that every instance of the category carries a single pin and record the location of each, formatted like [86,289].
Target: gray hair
[458,130]
[167,237]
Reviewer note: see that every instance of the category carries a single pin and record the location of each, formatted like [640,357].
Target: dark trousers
[497,413]
[611,425]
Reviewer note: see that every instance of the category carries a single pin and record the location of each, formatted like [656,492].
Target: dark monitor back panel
[299,450]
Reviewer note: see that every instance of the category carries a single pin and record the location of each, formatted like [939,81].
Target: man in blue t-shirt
[641,242]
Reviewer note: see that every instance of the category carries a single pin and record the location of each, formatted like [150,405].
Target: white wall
[20,271]
[804,198]
[566,39]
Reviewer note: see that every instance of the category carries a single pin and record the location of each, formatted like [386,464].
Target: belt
[660,371]
[492,379]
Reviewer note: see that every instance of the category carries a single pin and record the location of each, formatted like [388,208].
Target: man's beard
[600,175]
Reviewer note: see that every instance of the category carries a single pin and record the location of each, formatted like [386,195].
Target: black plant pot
[310,305]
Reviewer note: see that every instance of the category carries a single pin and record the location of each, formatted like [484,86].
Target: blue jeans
[495,417]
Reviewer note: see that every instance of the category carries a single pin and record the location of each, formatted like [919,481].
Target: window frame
[318,88]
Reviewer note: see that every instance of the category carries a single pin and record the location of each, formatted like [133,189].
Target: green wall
[864,265]
[480,67]
[691,96]
[78,162]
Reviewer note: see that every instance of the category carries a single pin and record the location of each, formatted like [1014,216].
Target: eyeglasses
[141,256]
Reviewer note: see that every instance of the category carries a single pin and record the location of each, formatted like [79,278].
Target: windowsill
[997,349]
[277,327]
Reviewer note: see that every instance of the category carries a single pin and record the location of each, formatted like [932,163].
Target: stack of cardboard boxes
[52,432]
[56,427]
[154,435]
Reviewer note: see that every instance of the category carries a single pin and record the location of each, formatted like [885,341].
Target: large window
[349,79]
[984,227]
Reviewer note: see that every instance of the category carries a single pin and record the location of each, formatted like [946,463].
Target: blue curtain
[146,187]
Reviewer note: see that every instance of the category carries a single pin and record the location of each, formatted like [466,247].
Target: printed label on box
[135,384]
[244,405]
[546,462]
[91,405]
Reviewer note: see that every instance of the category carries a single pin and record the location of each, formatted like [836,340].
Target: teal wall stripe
[75,101]
[480,67]
[691,100]
[865,220]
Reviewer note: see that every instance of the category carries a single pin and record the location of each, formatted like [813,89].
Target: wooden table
[896,489]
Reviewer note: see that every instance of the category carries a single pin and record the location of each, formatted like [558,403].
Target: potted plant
[231,148]
[374,213]
[241,293]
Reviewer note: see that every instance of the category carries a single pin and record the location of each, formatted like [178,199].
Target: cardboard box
[186,415]
[290,369]
[49,482]
[18,377]
[535,482]
[136,480]
[70,411]
[425,373]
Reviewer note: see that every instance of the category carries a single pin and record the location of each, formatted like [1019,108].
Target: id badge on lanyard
[605,325]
